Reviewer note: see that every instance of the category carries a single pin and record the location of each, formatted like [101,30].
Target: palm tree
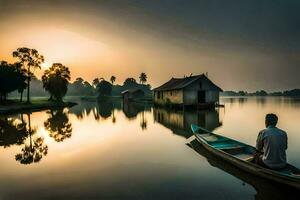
[143,78]
[56,80]
[29,58]
[112,79]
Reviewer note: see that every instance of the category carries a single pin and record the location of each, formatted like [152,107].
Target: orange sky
[104,38]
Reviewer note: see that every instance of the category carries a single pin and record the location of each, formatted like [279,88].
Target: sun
[45,65]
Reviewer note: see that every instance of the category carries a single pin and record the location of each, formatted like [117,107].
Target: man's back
[273,142]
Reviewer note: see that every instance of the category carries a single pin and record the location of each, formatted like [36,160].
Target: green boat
[241,156]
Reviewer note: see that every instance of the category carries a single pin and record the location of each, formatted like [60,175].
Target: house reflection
[265,190]
[180,121]
[132,109]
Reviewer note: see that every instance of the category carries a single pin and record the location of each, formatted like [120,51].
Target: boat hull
[251,167]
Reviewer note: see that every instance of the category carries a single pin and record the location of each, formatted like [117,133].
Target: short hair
[271,119]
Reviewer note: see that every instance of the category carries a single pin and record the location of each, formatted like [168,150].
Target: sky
[241,44]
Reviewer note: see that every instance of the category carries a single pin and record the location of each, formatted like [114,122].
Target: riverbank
[35,105]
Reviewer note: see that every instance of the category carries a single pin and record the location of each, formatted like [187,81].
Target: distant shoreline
[262,93]
[17,107]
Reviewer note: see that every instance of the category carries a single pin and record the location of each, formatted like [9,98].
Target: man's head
[271,120]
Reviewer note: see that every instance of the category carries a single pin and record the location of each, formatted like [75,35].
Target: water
[107,150]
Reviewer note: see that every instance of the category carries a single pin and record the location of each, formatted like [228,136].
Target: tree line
[18,76]
[286,93]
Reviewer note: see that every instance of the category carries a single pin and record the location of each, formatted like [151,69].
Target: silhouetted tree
[58,125]
[56,80]
[130,82]
[143,78]
[112,79]
[79,80]
[11,78]
[81,87]
[88,88]
[29,58]
[96,82]
[104,88]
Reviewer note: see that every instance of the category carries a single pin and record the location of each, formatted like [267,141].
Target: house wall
[174,97]
[189,95]
[212,96]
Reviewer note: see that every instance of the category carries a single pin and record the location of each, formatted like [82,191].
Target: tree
[11,78]
[112,79]
[130,82]
[56,80]
[104,88]
[29,58]
[88,88]
[96,82]
[143,78]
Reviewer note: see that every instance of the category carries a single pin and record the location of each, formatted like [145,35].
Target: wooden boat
[241,155]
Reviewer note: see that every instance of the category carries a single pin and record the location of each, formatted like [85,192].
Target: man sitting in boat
[271,145]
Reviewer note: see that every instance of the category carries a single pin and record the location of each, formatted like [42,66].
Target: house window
[200,85]
[158,95]
[171,93]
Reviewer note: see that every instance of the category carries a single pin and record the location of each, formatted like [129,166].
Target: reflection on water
[180,121]
[12,132]
[108,149]
[58,125]
[15,132]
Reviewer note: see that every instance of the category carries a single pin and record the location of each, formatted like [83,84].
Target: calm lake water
[109,150]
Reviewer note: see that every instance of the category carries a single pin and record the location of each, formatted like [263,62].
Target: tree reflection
[58,125]
[143,122]
[35,150]
[12,132]
[105,108]
[113,117]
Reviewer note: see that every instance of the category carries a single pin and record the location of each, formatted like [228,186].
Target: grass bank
[35,105]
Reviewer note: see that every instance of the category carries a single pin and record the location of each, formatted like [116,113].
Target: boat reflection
[180,121]
[265,189]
